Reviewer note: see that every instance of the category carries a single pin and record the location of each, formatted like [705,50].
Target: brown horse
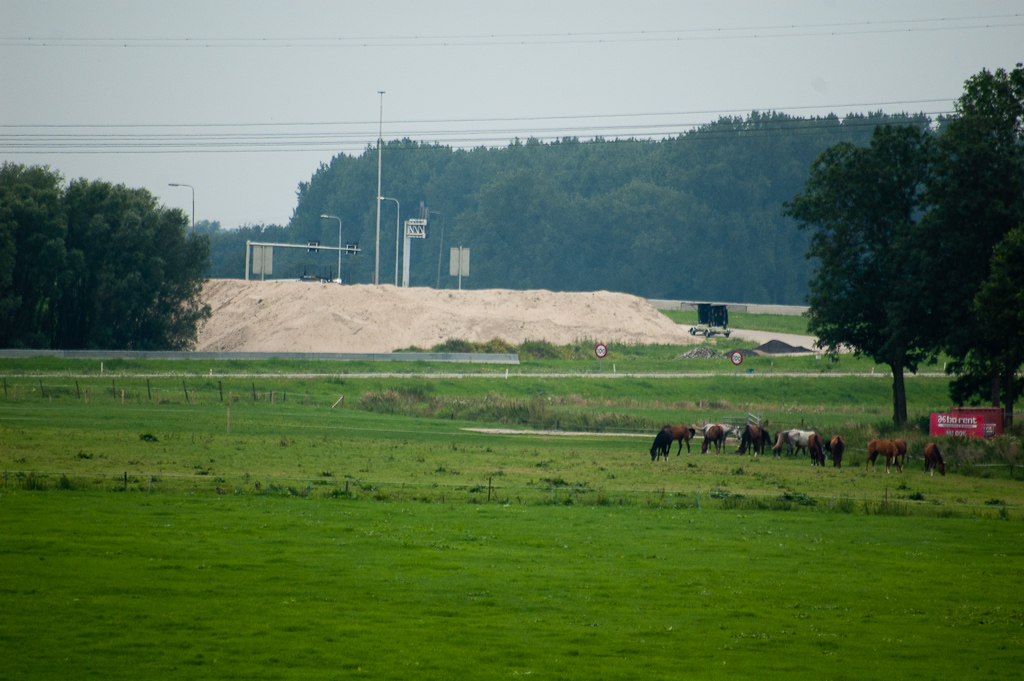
[683,433]
[886,448]
[815,449]
[901,453]
[715,435]
[933,459]
[756,437]
[835,447]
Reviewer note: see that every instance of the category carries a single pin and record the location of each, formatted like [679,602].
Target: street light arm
[182,184]
[398,213]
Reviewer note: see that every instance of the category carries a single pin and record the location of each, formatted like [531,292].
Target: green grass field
[127,586]
[390,536]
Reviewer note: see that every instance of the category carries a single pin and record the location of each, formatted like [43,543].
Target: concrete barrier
[462,357]
[753,308]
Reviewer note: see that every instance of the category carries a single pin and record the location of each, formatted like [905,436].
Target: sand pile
[294,316]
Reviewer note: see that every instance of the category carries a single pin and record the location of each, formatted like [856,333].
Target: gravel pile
[700,353]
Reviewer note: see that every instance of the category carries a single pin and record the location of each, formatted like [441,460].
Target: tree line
[695,216]
[918,240]
[93,265]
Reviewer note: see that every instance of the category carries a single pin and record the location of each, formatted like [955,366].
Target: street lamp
[398,210]
[335,217]
[176,184]
[380,137]
[440,248]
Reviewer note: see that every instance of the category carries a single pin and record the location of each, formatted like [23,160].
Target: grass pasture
[126,586]
[394,536]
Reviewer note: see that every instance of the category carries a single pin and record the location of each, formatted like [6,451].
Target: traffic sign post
[601,351]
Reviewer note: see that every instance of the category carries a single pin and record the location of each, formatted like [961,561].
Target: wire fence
[494,491]
[188,391]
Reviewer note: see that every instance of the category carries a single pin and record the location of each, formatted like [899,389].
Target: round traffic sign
[736,357]
[601,351]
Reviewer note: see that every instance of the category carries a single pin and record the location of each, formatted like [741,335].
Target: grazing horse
[797,440]
[933,459]
[662,443]
[835,447]
[683,433]
[901,453]
[714,434]
[815,449]
[755,437]
[886,448]
[781,440]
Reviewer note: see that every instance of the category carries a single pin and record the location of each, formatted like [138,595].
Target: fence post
[220,386]
[185,389]
[113,389]
[149,393]
[254,392]
[488,489]
[698,501]
[126,481]
[151,483]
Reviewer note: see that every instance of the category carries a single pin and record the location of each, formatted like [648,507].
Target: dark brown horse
[683,433]
[816,449]
[713,435]
[933,459]
[886,448]
[836,446]
[755,437]
[662,443]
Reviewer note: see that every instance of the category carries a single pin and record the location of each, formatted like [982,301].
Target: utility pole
[380,137]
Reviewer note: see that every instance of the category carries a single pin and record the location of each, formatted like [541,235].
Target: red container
[992,417]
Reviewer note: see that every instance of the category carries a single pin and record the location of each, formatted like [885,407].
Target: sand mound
[294,316]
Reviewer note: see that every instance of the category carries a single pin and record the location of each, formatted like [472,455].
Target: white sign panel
[262,259]
[458,262]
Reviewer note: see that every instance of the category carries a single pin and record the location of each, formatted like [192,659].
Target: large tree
[135,272]
[975,198]
[32,232]
[999,347]
[863,205]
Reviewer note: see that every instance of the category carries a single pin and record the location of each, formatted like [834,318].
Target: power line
[459,138]
[514,119]
[483,40]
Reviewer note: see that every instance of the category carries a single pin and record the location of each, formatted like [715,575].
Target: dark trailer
[711,319]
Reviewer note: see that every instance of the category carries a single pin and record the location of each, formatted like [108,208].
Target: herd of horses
[757,440]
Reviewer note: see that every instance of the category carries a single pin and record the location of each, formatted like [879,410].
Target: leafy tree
[863,205]
[32,254]
[975,198]
[134,274]
[1000,349]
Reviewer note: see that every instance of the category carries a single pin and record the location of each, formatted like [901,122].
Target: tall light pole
[380,137]
[440,248]
[176,184]
[398,210]
[335,217]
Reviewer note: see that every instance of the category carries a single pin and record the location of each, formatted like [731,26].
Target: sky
[245,100]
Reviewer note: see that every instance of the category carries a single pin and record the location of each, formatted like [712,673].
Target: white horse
[726,430]
[807,440]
